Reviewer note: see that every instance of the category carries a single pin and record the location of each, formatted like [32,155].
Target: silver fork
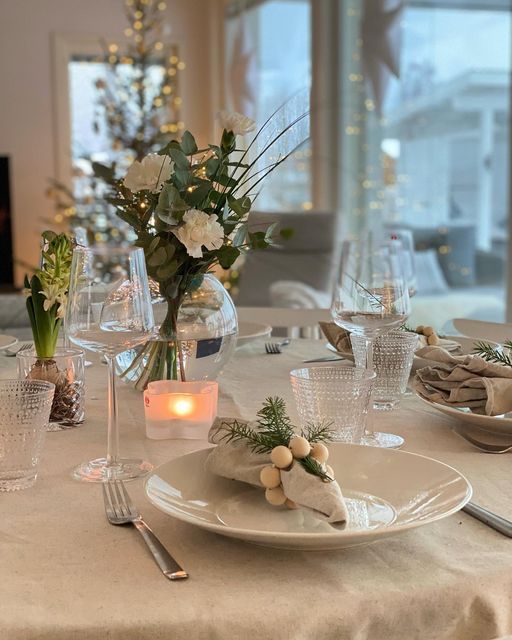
[121,510]
[23,346]
[275,347]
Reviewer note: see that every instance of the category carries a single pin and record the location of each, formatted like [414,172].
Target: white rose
[236,122]
[199,229]
[149,174]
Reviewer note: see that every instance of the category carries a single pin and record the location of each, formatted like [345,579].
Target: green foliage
[491,354]
[274,429]
[47,292]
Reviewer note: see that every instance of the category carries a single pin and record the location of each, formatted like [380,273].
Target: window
[268,61]
[429,150]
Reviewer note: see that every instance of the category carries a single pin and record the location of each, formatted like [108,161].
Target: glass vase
[196,339]
[66,371]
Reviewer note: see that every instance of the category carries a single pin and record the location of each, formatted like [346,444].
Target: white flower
[149,174]
[52,294]
[236,122]
[199,230]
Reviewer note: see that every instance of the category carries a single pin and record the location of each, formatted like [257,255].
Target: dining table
[67,574]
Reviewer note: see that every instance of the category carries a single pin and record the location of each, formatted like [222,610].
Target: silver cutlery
[20,346]
[121,510]
[325,359]
[275,347]
[484,446]
[489,518]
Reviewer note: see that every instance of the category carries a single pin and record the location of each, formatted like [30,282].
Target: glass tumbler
[24,413]
[393,355]
[65,369]
[336,395]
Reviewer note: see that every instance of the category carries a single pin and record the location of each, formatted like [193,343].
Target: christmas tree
[137,112]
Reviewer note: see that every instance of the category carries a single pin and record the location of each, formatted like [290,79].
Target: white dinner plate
[248,331]
[7,341]
[387,491]
[498,425]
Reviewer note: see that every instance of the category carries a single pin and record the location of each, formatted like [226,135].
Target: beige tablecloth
[67,574]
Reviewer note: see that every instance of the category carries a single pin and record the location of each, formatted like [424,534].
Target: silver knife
[489,518]
[326,359]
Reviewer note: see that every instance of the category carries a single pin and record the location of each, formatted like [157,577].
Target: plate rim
[265,330]
[457,413]
[325,536]
[11,344]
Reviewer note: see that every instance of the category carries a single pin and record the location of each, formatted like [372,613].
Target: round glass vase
[204,341]
[65,369]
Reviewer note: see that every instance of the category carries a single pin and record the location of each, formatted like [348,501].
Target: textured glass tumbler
[393,354]
[336,395]
[24,413]
[66,371]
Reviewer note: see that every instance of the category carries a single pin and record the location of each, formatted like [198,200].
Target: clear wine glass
[370,298]
[108,311]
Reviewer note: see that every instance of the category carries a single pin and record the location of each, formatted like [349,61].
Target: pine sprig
[258,441]
[274,421]
[405,327]
[317,432]
[491,354]
[315,468]
[275,428]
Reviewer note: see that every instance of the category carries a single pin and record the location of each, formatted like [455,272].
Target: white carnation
[148,174]
[199,229]
[236,122]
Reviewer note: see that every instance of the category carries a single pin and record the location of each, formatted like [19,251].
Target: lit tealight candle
[179,409]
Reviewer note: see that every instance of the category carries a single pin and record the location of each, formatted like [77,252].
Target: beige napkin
[465,381]
[236,461]
[340,339]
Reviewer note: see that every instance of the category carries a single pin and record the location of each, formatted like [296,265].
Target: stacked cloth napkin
[340,339]
[235,460]
[465,381]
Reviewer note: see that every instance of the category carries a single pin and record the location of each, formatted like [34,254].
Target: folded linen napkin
[464,381]
[235,460]
[340,339]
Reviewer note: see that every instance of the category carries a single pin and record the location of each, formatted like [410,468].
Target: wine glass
[109,310]
[370,298]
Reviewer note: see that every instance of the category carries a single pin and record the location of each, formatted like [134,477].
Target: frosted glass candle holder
[177,410]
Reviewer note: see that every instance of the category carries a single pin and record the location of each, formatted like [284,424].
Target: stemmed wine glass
[109,311]
[370,298]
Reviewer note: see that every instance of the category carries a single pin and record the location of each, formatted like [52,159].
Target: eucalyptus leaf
[180,159]
[166,271]
[227,255]
[188,144]
[196,196]
[240,236]
[153,244]
[212,165]
[158,258]
[241,206]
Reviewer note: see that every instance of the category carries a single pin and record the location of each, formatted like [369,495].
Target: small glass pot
[66,370]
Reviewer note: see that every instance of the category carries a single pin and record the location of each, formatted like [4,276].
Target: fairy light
[162,6]
[159,46]
[166,90]
[174,59]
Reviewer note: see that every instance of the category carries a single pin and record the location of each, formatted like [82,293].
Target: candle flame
[182,406]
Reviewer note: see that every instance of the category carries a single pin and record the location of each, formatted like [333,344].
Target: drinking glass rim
[60,352]
[47,386]
[366,375]
[107,249]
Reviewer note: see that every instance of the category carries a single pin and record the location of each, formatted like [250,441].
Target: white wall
[27,101]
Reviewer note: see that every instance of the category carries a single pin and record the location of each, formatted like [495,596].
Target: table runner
[66,573]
